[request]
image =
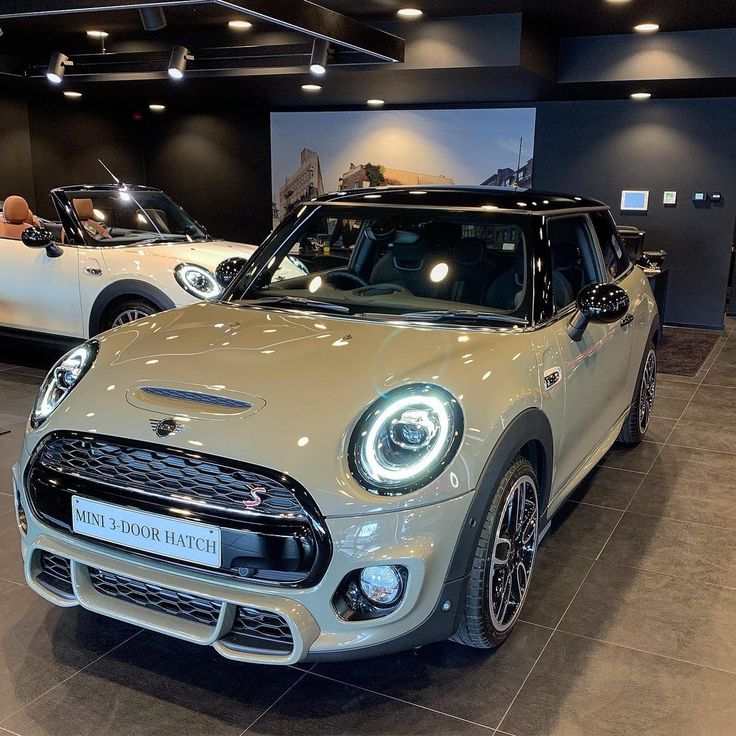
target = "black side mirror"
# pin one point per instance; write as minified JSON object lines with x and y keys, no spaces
{"x":604,"y":303}
{"x":228,"y":269}
{"x":41,"y":237}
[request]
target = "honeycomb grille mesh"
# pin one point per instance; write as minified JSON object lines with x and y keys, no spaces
{"x":156,"y":598}
{"x":257,"y":629}
{"x":55,"y":574}
{"x":170,"y":474}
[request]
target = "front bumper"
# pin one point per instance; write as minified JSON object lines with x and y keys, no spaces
{"x":422,"y":540}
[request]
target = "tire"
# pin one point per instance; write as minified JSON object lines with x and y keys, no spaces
{"x":640,"y":413}
{"x":497,"y":588}
{"x":127,"y":310}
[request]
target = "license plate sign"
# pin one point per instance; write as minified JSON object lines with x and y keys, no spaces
{"x":189,"y":541}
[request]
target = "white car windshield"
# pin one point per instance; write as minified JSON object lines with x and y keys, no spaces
{"x":120,"y":216}
{"x":418,"y":263}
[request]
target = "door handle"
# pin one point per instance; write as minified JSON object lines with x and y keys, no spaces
{"x":627,"y":320}
{"x":93,"y":271}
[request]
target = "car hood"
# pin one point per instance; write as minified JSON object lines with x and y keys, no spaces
{"x":308,"y":378}
{"x":207,"y":253}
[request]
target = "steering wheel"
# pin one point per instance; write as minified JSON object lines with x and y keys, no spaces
{"x":345,"y":279}
{"x":383,"y":290}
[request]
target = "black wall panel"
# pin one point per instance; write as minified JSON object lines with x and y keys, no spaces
{"x":16,"y":170}
{"x":600,"y":148}
{"x":218,"y":167}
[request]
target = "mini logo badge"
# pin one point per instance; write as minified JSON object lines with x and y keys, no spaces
{"x":166,"y":427}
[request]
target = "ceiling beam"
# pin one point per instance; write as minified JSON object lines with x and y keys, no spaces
{"x":297,"y":15}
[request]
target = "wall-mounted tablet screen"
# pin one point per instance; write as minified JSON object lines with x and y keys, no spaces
{"x":635,"y":200}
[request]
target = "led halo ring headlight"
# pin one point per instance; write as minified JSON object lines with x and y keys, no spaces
{"x":405,"y":439}
{"x":61,"y":379}
{"x":197,"y":280}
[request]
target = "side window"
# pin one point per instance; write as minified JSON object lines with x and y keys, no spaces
{"x":614,"y":256}
{"x":574,"y":258}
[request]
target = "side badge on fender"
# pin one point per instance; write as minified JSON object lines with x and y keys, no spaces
{"x":552,"y":377}
{"x":166,"y":427}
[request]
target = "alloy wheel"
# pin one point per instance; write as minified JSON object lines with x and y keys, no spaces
{"x":647,"y":391}
{"x":129,"y":315}
{"x":514,"y":552}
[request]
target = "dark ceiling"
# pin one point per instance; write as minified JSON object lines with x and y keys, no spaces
{"x":26,"y":45}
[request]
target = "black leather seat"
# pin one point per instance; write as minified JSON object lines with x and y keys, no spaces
{"x":567,"y":273}
{"x":471,"y":271}
{"x":507,"y":290}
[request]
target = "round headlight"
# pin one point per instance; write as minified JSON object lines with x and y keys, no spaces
{"x":61,"y":379}
{"x":197,"y":280}
{"x":406,"y":439}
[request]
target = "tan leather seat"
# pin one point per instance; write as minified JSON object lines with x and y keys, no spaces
{"x":15,"y":216}
{"x":86,"y":213}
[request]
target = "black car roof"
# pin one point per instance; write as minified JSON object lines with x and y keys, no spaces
{"x":106,"y":188}
{"x":475,"y":197}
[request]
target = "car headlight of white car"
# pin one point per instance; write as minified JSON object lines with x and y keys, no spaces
{"x":197,"y":280}
{"x":405,"y":439}
{"x":61,"y":379}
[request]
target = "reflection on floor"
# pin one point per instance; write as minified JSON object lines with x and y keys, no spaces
{"x":629,"y":628}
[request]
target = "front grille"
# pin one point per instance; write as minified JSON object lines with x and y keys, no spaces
{"x":169,"y":473}
{"x":55,"y":574}
{"x":281,"y":541}
{"x":261,"y":630}
{"x":196,"y":397}
{"x":156,"y":598}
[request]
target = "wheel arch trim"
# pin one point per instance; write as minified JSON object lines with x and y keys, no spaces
{"x":125,"y":288}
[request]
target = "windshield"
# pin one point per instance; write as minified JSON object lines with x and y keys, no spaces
{"x":419,"y":263}
{"x":131,"y":216}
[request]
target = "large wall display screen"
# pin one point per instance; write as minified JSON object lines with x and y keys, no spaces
{"x":317,"y":152}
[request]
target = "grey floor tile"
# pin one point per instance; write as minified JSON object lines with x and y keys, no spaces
{"x":320,"y":706}
{"x":156,"y":685}
{"x":42,"y":645}
{"x":704,"y":435}
{"x":555,"y":580}
{"x":657,"y":613}
{"x":660,"y":429}
{"x":670,"y":389}
{"x":11,"y":561}
{"x":638,"y":458}
{"x":668,"y":408}
{"x":687,"y":500}
{"x":449,"y":677}
{"x":608,"y":487}
{"x":582,"y":687}
{"x":684,"y":464}
{"x":691,"y":551}
{"x":579,"y":529}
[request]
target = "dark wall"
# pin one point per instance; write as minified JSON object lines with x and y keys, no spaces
{"x":218,"y":167}
{"x":67,"y":138}
{"x":16,"y":172}
{"x":600,"y":148}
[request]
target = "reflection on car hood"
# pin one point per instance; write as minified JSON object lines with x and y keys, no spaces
{"x":207,"y":253}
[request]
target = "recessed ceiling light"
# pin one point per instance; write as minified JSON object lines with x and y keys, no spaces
{"x":409,"y":13}
{"x":98,"y":34}
{"x":156,"y":107}
{"x":618,"y":2}
{"x":240,"y":25}
{"x":72,"y":95}
{"x":640,"y":95}
{"x":375,"y":102}
{"x":311,"y":87}
{"x":647,"y":28}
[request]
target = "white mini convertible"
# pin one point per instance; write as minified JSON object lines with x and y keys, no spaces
{"x":116,"y":254}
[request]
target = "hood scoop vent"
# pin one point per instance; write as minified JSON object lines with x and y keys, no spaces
{"x":178,"y":394}
{"x":192,"y":400}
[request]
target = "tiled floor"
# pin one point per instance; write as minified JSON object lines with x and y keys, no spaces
{"x":629,"y":627}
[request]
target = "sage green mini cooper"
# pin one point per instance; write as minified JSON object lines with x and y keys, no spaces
{"x":351,"y":461}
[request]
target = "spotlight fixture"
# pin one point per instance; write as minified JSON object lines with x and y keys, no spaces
{"x":409,"y":13}
{"x":376,"y":102}
{"x":153,"y":19}
{"x":57,"y":67}
{"x":72,"y":95}
{"x":318,"y":60}
{"x":311,"y":87}
{"x":98,"y":34}
{"x":178,"y":61}
{"x":647,"y":28}
{"x":240,"y":25}
{"x":155,"y":107}
{"x":640,"y":95}
{"x":1,"y":32}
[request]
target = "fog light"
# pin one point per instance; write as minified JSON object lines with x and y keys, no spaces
{"x":381,"y":584}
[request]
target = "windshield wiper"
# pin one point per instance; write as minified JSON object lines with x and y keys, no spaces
{"x":460,"y":316}
{"x":304,"y":303}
